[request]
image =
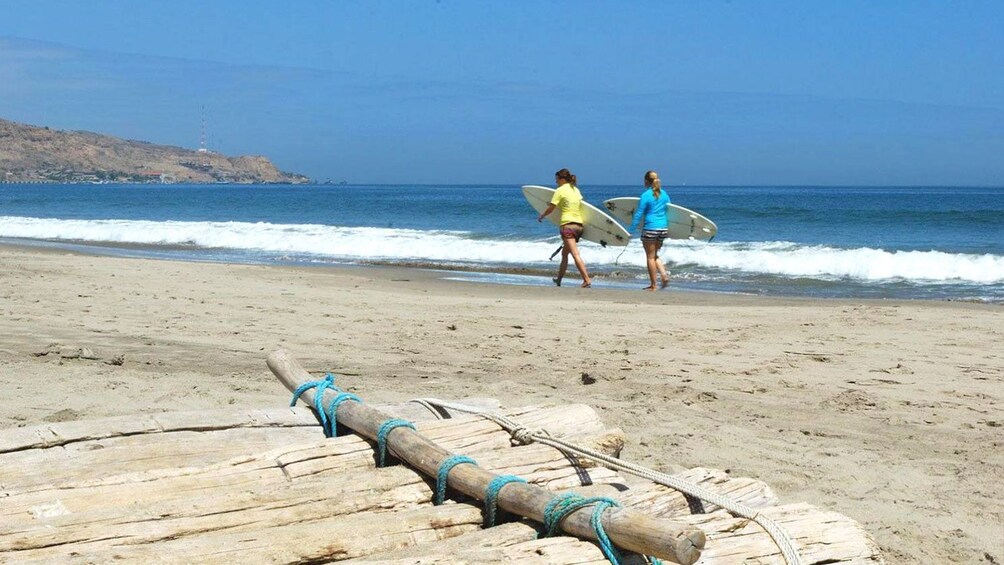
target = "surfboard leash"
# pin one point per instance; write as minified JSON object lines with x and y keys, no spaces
{"x":618,"y":259}
{"x":556,"y":251}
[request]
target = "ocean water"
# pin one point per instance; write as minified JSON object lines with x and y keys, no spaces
{"x":942,"y":243}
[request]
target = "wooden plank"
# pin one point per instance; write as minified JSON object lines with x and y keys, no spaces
{"x":65,"y":433}
{"x":96,"y":459}
{"x":72,"y":452}
{"x":362,"y":538}
{"x":322,"y":539}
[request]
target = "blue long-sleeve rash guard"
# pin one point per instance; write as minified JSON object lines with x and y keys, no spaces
{"x":653,"y":210}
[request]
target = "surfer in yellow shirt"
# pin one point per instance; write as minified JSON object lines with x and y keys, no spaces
{"x":568,"y":198}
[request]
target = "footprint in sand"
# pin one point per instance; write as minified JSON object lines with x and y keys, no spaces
{"x":851,"y":400}
{"x":64,"y":415}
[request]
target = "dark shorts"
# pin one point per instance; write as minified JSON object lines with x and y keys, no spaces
{"x":571,"y":231}
{"x":654,"y":235}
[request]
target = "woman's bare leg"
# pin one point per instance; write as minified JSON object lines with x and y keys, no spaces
{"x":651,"y":262}
{"x":564,"y":264}
{"x":661,"y":266}
{"x":573,"y":248}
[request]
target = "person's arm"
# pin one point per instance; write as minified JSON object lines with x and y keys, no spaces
{"x":547,"y":212}
{"x":638,"y":214}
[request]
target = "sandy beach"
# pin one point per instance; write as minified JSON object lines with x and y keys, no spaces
{"x":889,"y":412}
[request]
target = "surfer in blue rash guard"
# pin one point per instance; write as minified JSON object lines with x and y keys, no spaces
{"x":568,"y":198}
{"x":651,"y":214}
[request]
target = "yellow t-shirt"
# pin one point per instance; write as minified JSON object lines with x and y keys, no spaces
{"x":568,"y":199}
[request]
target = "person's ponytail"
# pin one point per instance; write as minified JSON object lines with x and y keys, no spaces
{"x":653,"y":177}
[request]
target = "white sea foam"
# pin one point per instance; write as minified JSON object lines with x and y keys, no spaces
{"x":365,"y":243}
{"x":863,"y":264}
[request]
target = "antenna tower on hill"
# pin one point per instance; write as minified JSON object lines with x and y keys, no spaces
{"x":202,"y":137}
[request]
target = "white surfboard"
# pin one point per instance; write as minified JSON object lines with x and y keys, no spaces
{"x":683,"y":223}
{"x":598,"y":226}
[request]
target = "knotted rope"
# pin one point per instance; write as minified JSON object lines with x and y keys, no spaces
{"x":564,"y":504}
{"x":321,"y":385}
{"x":329,"y":416}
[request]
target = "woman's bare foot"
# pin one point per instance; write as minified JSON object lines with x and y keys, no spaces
{"x":650,"y":288}
{"x":665,"y":283}
{"x":587,"y":284}
{"x":556,"y":281}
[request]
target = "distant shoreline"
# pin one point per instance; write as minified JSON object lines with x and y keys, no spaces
{"x":668,"y":186}
{"x":40,"y":154}
{"x":155,"y":183}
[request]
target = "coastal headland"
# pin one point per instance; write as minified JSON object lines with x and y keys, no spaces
{"x":40,"y":154}
{"x":887,"y":411}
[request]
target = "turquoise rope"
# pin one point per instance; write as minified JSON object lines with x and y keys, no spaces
{"x":596,"y":521}
{"x":492,"y":496}
{"x":444,"y":472}
{"x":559,"y":507}
{"x":332,"y":428}
{"x":321,"y":386}
{"x":385,"y":428}
{"x":328,"y":380}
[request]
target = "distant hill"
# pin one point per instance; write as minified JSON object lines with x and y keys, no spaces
{"x":39,"y":154}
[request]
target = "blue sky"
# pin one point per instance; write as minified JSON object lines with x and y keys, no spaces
{"x":739,"y":93}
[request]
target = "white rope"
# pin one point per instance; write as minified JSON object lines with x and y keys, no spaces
{"x":428,"y":406}
{"x":524,"y":435}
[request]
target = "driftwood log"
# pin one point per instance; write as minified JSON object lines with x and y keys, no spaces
{"x":628,"y":529}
